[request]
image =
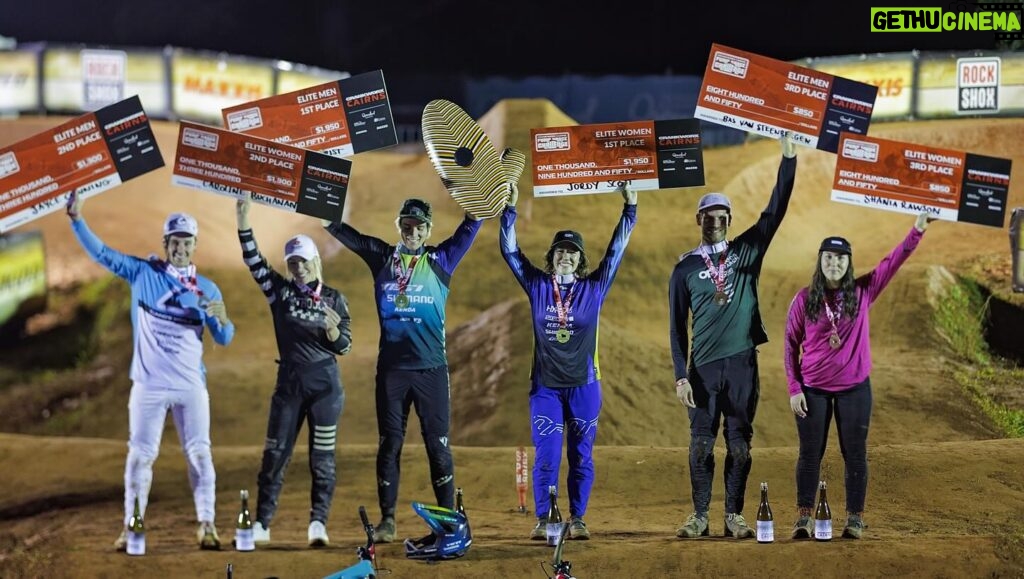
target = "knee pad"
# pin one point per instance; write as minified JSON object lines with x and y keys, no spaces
{"x":740,"y":452}
{"x":701,"y":447}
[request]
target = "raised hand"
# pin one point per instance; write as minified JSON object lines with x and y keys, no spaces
{"x":788,"y":146}
{"x":74,"y":206}
{"x":242,"y":207}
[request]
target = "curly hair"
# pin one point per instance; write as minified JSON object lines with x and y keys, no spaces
{"x":582,"y":270}
{"x":816,"y":293}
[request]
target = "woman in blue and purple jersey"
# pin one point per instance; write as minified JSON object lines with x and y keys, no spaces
{"x":828,"y":367}
{"x":565,"y":381}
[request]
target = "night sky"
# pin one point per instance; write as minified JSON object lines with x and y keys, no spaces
{"x":478,"y":38}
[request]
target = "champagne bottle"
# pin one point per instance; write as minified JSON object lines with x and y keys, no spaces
{"x":822,"y":516}
{"x":765,"y":520}
{"x":554,"y":521}
{"x":244,"y":540}
{"x":459,"y":507}
{"x":136,"y":532}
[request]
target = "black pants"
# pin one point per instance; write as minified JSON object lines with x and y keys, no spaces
{"x":428,"y":391}
{"x":852,"y":409}
{"x":313,"y":393}
{"x":726,"y":388}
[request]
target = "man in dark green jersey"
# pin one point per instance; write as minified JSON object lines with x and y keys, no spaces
{"x":716,"y":375}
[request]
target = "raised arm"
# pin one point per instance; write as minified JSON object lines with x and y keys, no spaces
{"x":880,"y":277}
{"x":371,"y":249}
{"x":261,"y":271}
{"x":119,"y":264}
{"x":521,"y":267}
{"x":451,"y":251}
{"x":771,"y":218}
{"x":612,"y":259}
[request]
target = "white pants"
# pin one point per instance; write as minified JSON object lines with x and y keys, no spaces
{"x":147,"y":412}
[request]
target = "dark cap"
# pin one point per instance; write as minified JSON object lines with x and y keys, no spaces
{"x":568,"y":236}
{"x":417,"y":209}
{"x":836,"y":245}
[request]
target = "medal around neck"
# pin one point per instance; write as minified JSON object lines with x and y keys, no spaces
{"x":475,"y":175}
{"x":402,"y":300}
{"x":721,"y":298}
{"x":834,"y":341}
{"x":562,"y":335}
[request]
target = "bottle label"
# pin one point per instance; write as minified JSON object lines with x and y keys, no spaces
{"x":554,"y":530}
{"x":823,"y":530}
{"x":765,"y":531}
{"x":244,"y":540}
{"x":136,"y":543}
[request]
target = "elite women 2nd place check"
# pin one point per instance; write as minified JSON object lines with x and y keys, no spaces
{"x":279,"y":175}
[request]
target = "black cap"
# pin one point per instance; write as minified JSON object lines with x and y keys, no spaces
{"x":568,"y":236}
{"x":836,"y":245}
{"x":417,"y":209}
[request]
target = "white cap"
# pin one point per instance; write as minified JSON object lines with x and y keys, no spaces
{"x":713,"y":200}
{"x":181,"y":223}
{"x":300,"y":246}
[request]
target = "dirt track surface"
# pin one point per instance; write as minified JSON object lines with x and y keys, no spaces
{"x":945,"y":497}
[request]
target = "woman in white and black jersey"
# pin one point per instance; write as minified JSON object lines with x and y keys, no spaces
{"x":312,"y":326}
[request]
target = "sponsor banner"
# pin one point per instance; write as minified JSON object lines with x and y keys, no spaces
{"x":949,"y":86}
{"x":22,"y":275}
{"x":757,"y":94}
{"x":88,"y":155}
{"x":338,"y":118}
{"x":276,"y":174}
{"x":301,"y":76}
{"x":203,"y":85}
{"x":19,"y":80}
{"x":81,"y":80}
{"x":911,"y":178}
{"x":598,"y":158}
{"x":893,"y":74}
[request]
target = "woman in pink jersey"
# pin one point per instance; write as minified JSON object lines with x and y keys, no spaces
{"x":828,"y":363}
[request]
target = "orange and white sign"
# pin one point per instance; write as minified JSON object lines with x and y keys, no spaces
{"x":911,"y":178}
{"x":769,"y":97}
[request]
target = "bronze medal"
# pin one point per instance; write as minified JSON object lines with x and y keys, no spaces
{"x":562,"y":335}
{"x":401,"y":300}
{"x":834,"y":341}
{"x":721,"y":298}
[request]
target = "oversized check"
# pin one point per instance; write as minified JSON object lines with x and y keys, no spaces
{"x":762,"y":95}
{"x":911,"y":178}
{"x":338,"y":118}
{"x":279,"y":175}
{"x":599,"y":158}
{"x":88,"y":154}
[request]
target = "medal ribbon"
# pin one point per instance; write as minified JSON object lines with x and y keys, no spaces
{"x":717,"y":276}
{"x":833,"y":317}
{"x":312,"y":293}
{"x":562,"y":309}
{"x":189,"y":280}
{"x":402,"y":278}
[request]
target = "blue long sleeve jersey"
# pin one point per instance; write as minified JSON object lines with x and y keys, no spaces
{"x":574,"y":363}
{"x":167,"y":318}
{"x":411,"y":337}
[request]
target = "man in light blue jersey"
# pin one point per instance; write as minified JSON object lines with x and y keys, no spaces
{"x":171,"y":304}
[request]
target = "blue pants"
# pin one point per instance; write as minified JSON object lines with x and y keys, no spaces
{"x":551,"y":409}
{"x":852,"y":409}
{"x":726,"y":388}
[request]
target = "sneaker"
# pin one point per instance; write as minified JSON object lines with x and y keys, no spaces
{"x":736,"y":526}
{"x":578,"y":529}
{"x":121,"y":544}
{"x":854,"y":526}
{"x":206,"y":534}
{"x":384,"y":532}
{"x":540,"y":532}
{"x":695,"y":526}
{"x":260,"y":534}
{"x":317,"y":534}
{"x":804,"y":527}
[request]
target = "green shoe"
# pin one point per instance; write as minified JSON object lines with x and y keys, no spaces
{"x":540,"y":532}
{"x":695,"y":526}
{"x":854,"y":526}
{"x":578,"y":529}
{"x":736,"y":526}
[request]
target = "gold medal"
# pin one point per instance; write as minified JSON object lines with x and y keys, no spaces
{"x":834,"y":341}
{"x":721,"y":299}
{"x":401,"y":300}
{"x":562,"y":335}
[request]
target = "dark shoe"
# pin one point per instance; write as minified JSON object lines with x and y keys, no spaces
{"x":854,"y":526}
{"x":384,"y":532}
{"x":578,"y":529}
{"x":804,"y":526}
{"x":207,"y":537}
{"x":540,"y":532}
{"x":736,"y":526}
{"x":695,"y":526}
